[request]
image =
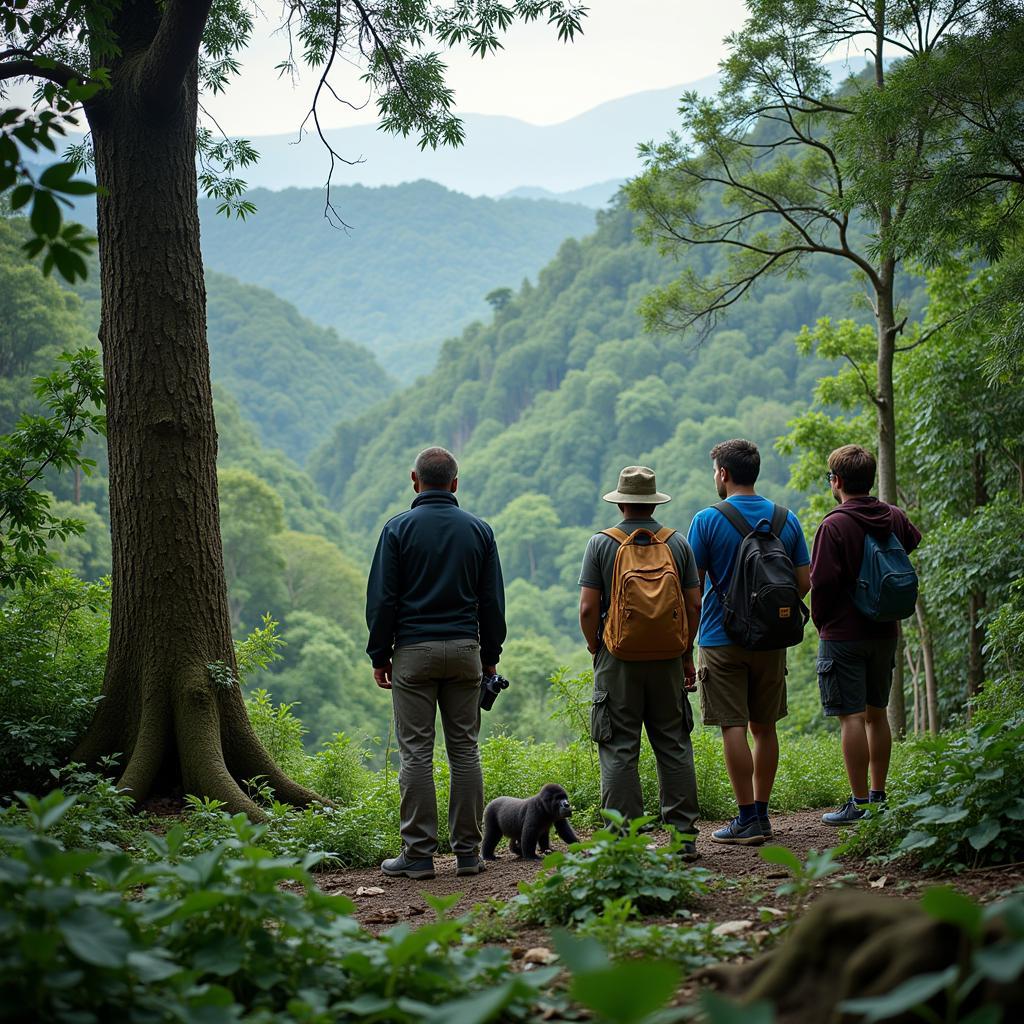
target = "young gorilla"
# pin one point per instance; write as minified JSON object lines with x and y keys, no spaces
{"x":527,"y":822}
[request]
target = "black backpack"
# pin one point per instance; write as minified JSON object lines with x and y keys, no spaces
{"x":761,"y":610}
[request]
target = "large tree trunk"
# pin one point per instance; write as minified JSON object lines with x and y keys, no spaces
{"x":163,"y":710}
{"x":886,"y":426}
{"x":931,"y":693}
{"x":976,"y":601}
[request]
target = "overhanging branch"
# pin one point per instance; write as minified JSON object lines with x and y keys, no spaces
{"x":53,"y":71}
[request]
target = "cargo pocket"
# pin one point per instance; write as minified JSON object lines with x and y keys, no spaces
{"x":687,"y":715}
{"x":600,"y":718}
{"x":828,"y":685}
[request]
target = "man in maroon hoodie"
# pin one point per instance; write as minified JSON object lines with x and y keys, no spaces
{"x":856,"y":655}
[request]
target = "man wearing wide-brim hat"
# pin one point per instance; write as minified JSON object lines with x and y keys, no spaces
{"x":639,"y":688}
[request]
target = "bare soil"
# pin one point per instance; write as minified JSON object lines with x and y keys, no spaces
{"x":747,"y":883}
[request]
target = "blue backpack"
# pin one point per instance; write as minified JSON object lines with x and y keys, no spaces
{"x":886,"y":587}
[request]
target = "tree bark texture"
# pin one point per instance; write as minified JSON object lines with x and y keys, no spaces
{"x":931,"y":693}
{"x":162,"y":710}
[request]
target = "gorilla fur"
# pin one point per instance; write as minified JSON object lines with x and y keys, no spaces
{"x":527,"y":822}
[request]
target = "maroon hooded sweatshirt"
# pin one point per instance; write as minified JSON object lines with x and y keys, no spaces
{"x":835,"y":565}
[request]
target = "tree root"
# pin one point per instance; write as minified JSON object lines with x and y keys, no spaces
{"x":852,"y":945}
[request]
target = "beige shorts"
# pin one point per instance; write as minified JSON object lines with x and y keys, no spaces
{"x":738,"y":686}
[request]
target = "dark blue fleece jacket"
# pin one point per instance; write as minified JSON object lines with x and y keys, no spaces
{"x":435,"y":576}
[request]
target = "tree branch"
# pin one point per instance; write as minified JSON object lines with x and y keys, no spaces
{"x":174,"y":48}
{"x":59,"y":73}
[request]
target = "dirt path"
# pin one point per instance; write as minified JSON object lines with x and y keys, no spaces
{"x":754,"y":879}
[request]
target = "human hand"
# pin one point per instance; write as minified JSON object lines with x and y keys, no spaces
{"x":382,"y":676}
{"x":689,"y":674}
{"x":489,"y":670}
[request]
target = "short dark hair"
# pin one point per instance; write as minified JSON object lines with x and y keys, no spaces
{"x":436,"y":467}
{"x":637,"y":511}
{"x":741,"y":458}
{"x":855,"y":466}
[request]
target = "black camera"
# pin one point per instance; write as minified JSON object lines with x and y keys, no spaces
{"x":490,"y":687}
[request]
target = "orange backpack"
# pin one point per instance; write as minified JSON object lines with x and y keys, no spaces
{"x":646,"y":618}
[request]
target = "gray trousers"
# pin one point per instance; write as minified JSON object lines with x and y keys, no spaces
{"x":628,"y":696}
{"x":426,"y":676}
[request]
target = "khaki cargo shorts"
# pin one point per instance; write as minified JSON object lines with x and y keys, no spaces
{"x":738,"y":686}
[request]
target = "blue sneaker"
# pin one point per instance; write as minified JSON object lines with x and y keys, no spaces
{"x":849,"y":814}
{"x":735,"y":834}
{"x":766,"y":827}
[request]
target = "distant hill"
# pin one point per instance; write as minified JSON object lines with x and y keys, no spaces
{"x":291,"y":378}
{"x":596,"y":196}
{"x":413,"y":269}
{"x":499,"y":154}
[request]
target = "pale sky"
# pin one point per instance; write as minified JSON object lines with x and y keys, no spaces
{"x":627,"y":46}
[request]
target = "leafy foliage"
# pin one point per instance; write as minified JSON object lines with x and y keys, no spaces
{"x":617,"y":861}
{"x":53,"y":634}
{"x":216,"y":935}
{"x":960,"y":810}
{"x":72,"y":397}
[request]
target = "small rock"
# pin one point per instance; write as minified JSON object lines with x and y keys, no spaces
{"x":416,"y":911}
{"x":384,"y":916}
{"x":369,"y":890}
{"x":731,"y":927}
{"x":879,"y":883}
{"x":540,"y":955}
{"x":772,"y":912}
{"x":777,"y":874}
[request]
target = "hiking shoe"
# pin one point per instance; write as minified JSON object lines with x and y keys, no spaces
{"x":469,"y":864}
{"x":766,"y":827}
{"x":688,"y":851}
{"x":410,"y":867}
{"x":849,"y":814}
{"x":748,"y":834}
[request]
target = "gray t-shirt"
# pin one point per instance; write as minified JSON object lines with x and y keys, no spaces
{"x":599,"y":559}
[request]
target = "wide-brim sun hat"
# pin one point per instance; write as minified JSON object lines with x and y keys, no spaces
{"x":637,"y":486}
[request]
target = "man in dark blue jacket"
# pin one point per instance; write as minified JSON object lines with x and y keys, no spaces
{"x":435,"y":608}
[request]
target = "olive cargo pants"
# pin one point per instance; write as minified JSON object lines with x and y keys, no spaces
{"x":426,"y":676}
{"x":628,"y":696}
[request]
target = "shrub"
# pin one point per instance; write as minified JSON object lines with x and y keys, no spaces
{"x":214,"y":936}
{"x":962,"y":807}
{"x":54,"y":637}
{"x":617,"y":861}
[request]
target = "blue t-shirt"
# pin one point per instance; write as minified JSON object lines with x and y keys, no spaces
{"x":715,"y":541}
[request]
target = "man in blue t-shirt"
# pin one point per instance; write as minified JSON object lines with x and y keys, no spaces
{"x":741,"y":688}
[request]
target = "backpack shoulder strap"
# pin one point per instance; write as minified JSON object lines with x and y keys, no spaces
{"x":736,"y":518}
{"x":663,"y":534}
{"x":779,"y":519}
{"x":616,"y":534}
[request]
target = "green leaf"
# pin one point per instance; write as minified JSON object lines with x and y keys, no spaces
{"x":719,"y":1010}
{"x":580,"y":955}
{"x":223,"y":956}
{"x":946,"y":904}
{"x":984,"y":833}
{"x":45,"y":218}
{"x":913,"y":992}
{"x":916,"y":840}
{"x":628,"y":991}
{"x":781,"y":856}
{"x":95,"y":937}
{"x":1002,"y":963}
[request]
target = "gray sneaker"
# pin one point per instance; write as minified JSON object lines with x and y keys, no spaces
{"x":411,"y":867}
{"x":688,"y":851}
{"x":849,"y":814}
{"x":469,"y":864}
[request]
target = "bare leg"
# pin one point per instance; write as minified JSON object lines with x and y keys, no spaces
{"x":879,"y":738}
{"x":855,"y":752}
{"x":766,"y":758}
{"x":738,"y":762}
